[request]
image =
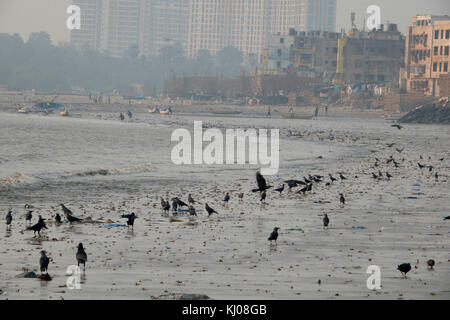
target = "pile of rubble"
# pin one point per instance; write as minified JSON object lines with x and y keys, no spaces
{"x":437,"y":112}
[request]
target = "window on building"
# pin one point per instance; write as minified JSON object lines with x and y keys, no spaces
{"x":442,"y":48}
{"x":436,"y":34}
{"x":436,"y":50}
{"x":440,"y":66}
{"x":435,"y":67}
{"x":334,"y":63}
{"x":446,"y":53}
{"x":334,"y":50}
{"x":447,"y":34}
{"x":445,"y":66}
{"x":442,"y":34}
{"x":381,"y":77}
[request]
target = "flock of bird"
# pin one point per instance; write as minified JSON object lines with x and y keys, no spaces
{"x":305,"y":185}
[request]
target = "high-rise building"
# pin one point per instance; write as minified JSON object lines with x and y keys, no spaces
{"x":427,"y":55}
{"x":167,"y":23}
{"x":91,"y":21}
{"x":317,"y":15}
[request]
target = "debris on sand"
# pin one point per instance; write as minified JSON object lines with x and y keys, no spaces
{"x":44,"y":277}
{"x":182,"y":296}
{"x":437,"y":112}
{"x":27,"y":274}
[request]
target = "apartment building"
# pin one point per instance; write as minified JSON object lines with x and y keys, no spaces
{"x":427,"y":55}
{"x":91,"y":22}
{"x":317,"y":15}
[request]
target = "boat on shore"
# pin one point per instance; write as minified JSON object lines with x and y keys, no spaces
{"x":225,"y":111}
{"x":165,"y":112}
{"x":154,"y":110}
{"x":293,"y":116}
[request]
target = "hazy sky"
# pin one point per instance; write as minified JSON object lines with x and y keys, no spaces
{"x":26,"y":16}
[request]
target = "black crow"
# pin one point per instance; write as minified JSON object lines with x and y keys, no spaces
{"x":397,"y":126}
{"x":262,"y":185}
{"x":38,"y":226}
{"x":430,"y":263}
{"x":374,"y":176}
{"x":421,"y":166}
{"x":43,"y":262}
{"x":390,"y":145}
{"x":303,"y":190}
{"x":404,"y":268}
{"x":342,"y":177}
{"x":192,"y":211}
{"x":399,"y":150}
{"x":28,"y":216}
{"x":309,"y":187}
{"x":190,"y":199}
{"x":388,"y":175}
{"x":280,"y":189}
{"x":81,"y":256}
{"x":179,"y":202}
{"x":274,"y":235}
{"x":326,"y":220}
{"x":263,"y":197}
{"x":430,"y":168}
{"x":210,"y":210}
{"x":333,"y":179}
{"x":131,"y":217}
{"x":8,"y":219}
{"x":58,"y":218}
{"x":227,"y":198}
{"x":69,"y":214}
{"x":436,"y":176}
{"x":447,"y":218}
{"x":166,"y":207}
{"x":342,"y":199}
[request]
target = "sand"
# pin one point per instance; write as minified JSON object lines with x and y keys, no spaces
{"x":225,"y":256}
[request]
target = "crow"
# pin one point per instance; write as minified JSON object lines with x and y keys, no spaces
{"x":399,"y":150}
{"x":333,"y":179}
{"x":190,"y":199}
{"x":227,"y":198}
{"x":342,"y":199}
{"x":166,"y":207}
{"x":441,"y":159}
{"x":240,"y":196}
{"x":274,"y":235}
{"x":390,"y":145}
{"x":38,"y":226}
{"x":81,"y":256}
{"x":210,"y":210}
{"x":374,"y":176}
{"x":397,"y":126}
{"x":263,"y":197}
{"x":43,"y":262}
{"x":179,"y":202}
{"x":436,"y":176}
{"x":404,"y":268}
{"x":192,"y":211}
{"x":342,"y":177}
{"x":447,"y":218}
{"x":8,"y":219}
{"x":280,"y":189}
{"x":430,"y":168}
{"x":303,"y":190}
{"x":28,"y":216}
{"x":421,"y":166}
{"x":174,"y":205}
{"x":388,"y":175}
{"x":326,"y":220}
{"x":307,"y":180}
{"x":131,"y":217}
{"x":380,"y":174}
{"x":69,"y":214}
{"x":262,"y":185}
{"x":58,"y":218}
{"x":309,"y":186}
{"x":430,"y":263}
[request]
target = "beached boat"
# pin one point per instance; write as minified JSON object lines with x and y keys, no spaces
{"x":23,"y":110}
{"x":64,"y":113}
{"x":154,"y":110}
{"x":225,"y":111}
{"x":165,"y":112}
{"x":293,"y":116}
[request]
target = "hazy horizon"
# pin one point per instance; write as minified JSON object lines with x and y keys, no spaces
{"x":25,"y":17}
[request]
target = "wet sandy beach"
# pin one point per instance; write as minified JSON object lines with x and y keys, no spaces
{"x":102,"y":168}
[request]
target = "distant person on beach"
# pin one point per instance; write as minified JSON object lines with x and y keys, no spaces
{"x":326,"y":109}
{"x":122,"y":117}
{"x":316,"y":112}
{"x":268,"y":111}
{"x":130,"y":115}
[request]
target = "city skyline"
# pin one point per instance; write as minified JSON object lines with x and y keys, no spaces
{"x":50,"y":15}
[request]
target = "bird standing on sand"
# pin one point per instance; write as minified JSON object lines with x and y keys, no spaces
{"x":192,"y":211}
{"x":131,"y":217}
{"x":28,"y":216}
{"x":274,"y":235}
{"x":8,"y":220}
{"x":342,"y":199}
{"x":326,"y":221}
{"x":333,"y":179}
{"x":58,"y":218}
{"x":262,"y":185}
{"x":210,"y":210}
{"x":240,"y":196}
{"x":38,"y":226}
{"x":397,"y":126}
{"x":430,"y":263}
{"x":190,"y":199}
{"x":280,"y":189}
{"x":69,"y":214}
{"x":227,"y":198}
{"x":404,"y":268}
{"x":342,"y":177}
{"x":179,"y":202}
{"x":122,"y":117}
{"x":81,"y":256}
{"x":174,"y":205}
{"x":43,"y":262}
